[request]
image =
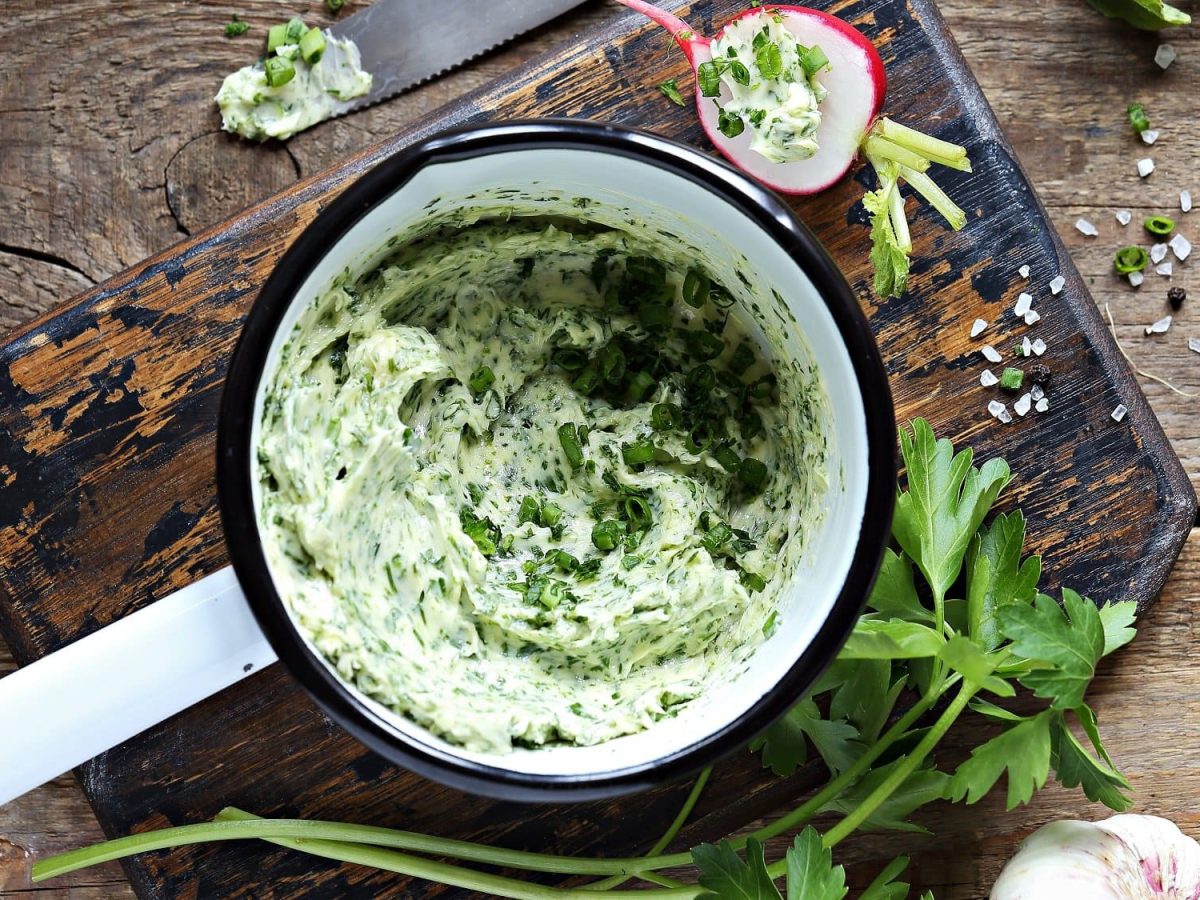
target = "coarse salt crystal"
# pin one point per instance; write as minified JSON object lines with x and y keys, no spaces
{"x":1119,"y":413}
{"x":1033,"y":317}
{"x":1056,"y":284}
{"x":1180,"y":246}
{"x":990,"y":353}
{"x":1149,"y":136}
{"x":1185,"y":201}
{"x":995,"y":407}
{"x":1164,"y":55}
{"x":1021,"y":407}
{"x":1023,"y":271}
{"x":1026,"y":347}
{"x":978,"y":327}
{"x":1194,"y":344}
{"x":1160,"y":326}
{"x":1145,"y":166}
{"x":988,"y":378}
{"x":1037,"y":393}
{"x":1023,"y":305}
{"x":1165,"y":269}
{"x":1005,"y":416}
{"x":1124,"y":216}
{"x":1136,"y":278}
{"x":1086,"y":227}
{"x":1158,"y":253}
{"x":1038,"y":347}
{"x":1042,"y":405}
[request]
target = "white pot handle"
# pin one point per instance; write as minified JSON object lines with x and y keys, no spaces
{"x":103,"y":689}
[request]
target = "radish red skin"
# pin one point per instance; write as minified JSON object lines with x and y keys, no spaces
{"x":775,"y":175}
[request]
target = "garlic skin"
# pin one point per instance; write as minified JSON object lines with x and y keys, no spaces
{"x":1126,"y":857}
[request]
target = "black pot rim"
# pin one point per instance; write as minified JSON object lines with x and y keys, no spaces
{"x":250,"y":357}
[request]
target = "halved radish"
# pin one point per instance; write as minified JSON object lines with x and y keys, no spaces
{"x":855,"y":81}
{"x":854,"y":85}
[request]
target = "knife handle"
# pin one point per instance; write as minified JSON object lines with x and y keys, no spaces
{"x":91,"y":695}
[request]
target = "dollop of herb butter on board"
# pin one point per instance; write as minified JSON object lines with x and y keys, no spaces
{"x":532,"y":480}
{"x":307,"y":77}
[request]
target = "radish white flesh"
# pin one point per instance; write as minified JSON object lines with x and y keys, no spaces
{"x":855,"y":81}
{"x":1126,"y":857}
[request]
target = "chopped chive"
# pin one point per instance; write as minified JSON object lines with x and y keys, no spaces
{"x":1159,"y":226}
{"x":716,"y":537}
{"x":741,"y":359}
{"x":705,"y":345}
{"x":551,"y":514}
{"x":701,"y":380}
{"x":1137,"y":117}
{"x":727,"y":457}
{"x":588,"y":569}
{"x":769,"y":59}
{"x":665,"y":416}
{"x":482,"y":531}
{"x":236,"y":27}
{"x":335,"y":6}
{"x":1130,"y":259}
{"x":751,"y":425}
{"x":721,"y":298}
{"x":279,"y":71}
{"x":569,"y":359}
{"x":813,"y":60}
{"x":654,"y":316}
{"x":481,"y":379}
{"x":739,"y":72}
{"x":670,"y":90}
{"x":637,"y":453}
{"x":587,"y":381}
{"x":752,"y":582}
{"x":633,"y":539}
{"x":529,"y":511}
{"x":1011,"y":379}
{"x":568,"y":436}
{"x":612,"y":364}
{"x":630,"y":560}
{"x":708,"y":76}
{"x":729,"y":124}
{"x":276,"y":37}
{"x":312,"y":46}
{"x":638,"y":513}
{"x":563,"y":560}
{"x":701,"y":436}
{"x":696,"y":288}
{"x":295,"y":30}
{"x":763,"y":388}
{"x":752,"y":473}
{"x":639,"y":386}
{"x":607,"y":534}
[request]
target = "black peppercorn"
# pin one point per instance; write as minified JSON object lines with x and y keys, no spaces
{"x":1039,"y":375}
{"x":1176,"y":296}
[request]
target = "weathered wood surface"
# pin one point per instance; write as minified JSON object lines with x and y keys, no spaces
{"x":88,"y":187}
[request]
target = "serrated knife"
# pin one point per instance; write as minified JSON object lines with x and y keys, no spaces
{"x":406,"y":42}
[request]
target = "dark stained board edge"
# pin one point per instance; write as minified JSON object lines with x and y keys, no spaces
{"x":734,"y":798}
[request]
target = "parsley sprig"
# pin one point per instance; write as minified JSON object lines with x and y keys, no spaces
{"x":955,"y":617}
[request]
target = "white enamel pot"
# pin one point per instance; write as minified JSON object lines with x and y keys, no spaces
{"x":230,"y":625}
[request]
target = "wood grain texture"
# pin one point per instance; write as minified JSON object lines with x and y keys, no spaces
{"x":1052,"y":139}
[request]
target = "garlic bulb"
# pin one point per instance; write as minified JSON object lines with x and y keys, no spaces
{"x":1125,"y":857}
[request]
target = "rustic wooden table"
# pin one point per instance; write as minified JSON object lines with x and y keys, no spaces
{"x":110,"y":152}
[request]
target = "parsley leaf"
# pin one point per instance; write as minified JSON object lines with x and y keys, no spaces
{"x":863,"y":693}
{"x":891,"y":639}
{"x":894,"y":593}
{"x":1149,"y":15}
{"x":811,"y":874}
{"x":996,"y":576}
{"x":945,"y":503}
{"x":1063,"y":643}
{"x":885,"y":886}
{"x":670,"y":90}
{"x":784,"y":744}
{"x":1117,"y":619}
{"x":966,"y":657}
{"x":1075,"y":766}
{"x":727,"y":877}
{"x":1023,"y":751}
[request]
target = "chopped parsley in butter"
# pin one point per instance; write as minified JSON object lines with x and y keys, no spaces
{"x":255,"y":110}
{"x":533,"y":481}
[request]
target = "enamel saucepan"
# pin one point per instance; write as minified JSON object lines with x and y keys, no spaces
{"x":226,"y":627}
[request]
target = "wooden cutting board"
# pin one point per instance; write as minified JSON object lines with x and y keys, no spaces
{"x":107,"y":499}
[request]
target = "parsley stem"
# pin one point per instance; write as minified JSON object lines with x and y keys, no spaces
{"x":938,"y":199}
{"x":901,"y":773}
{"x":663,"y":842}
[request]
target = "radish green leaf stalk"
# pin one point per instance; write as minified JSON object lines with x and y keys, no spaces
{"x":792,"y":96}
{"x":922,"y":657}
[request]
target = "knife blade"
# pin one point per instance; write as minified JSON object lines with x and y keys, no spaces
{"x":406,"y":42}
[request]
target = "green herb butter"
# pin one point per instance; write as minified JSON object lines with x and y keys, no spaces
{"x":514,"y":487}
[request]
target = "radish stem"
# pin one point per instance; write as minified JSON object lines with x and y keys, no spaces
{"x":925,"y":186}
{"x":899,"y":222}
{"x":880,"y":148}
{"x":934,"y":149}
